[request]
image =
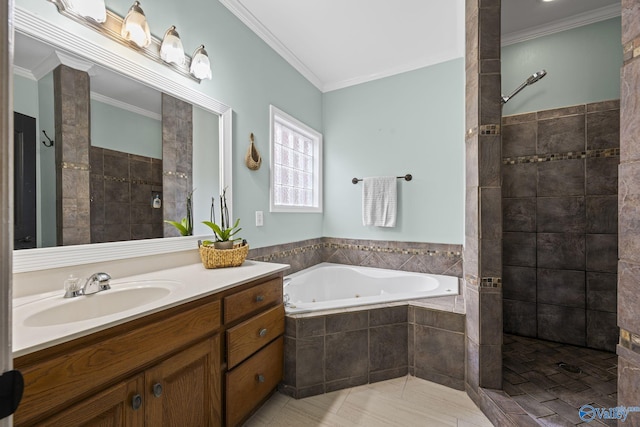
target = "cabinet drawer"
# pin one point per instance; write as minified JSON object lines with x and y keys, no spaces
{"x":251,"y":300}
{"x":252,"y":381}
{"x":249,"y":336}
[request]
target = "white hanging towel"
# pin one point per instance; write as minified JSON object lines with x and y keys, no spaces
{"x":379,"y":201}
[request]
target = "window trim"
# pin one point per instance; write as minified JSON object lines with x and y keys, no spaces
{"x":275,"y":115}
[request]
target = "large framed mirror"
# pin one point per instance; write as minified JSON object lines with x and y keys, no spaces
{"x":130,"y":100}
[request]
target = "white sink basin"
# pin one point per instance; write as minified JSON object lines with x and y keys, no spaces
{"x":120,"y":298}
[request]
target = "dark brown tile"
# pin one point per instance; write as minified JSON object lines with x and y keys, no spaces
{"x":602,"y":176}
{"x":310,"y":361}
{"x":561,"y":135}
{"x":491,"y":366}
{"x":561,"y":287}
{"x":519,"y":249}
{"x":346,"y":383}
{"x":562,"y":251}
{"x":602,"y":214}
{"x":347,"y":321}
{"x":555,"y":113}
{"x":490,"y":317}
{"x":561,"y":215}
{"x":388,"y":347}
{"x":561,"y":178}
{"x":519,"y":180}
{"x":562,"y":324}
{"x":439,"y":319}
{"x":347,"y":355}
{"x":388,"y":316}
{"x":602,"y":291}
{"x":439,"y":351}
{"x":602,"y":331}
{"x":116,"y":164}
{"x":519,"y":139}
{"x":519,"y":214}
{"x":310,"y":326}
{"x":602,"y":252}
{"x":519,"y":283}
{"x":603,"y":129}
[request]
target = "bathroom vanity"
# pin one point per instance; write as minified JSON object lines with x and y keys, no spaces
{"x":208,"y":357}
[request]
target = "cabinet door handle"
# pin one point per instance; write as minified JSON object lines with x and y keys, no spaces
{"x":263,"y":332}
{"x":260,"y":378}
{"x":136,"y":402}
{"x":157,"y":389}
{"x":259,"y":298}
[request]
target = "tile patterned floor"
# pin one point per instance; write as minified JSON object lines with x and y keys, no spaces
{"x":550,"y":381}
{"x":405,"y":401}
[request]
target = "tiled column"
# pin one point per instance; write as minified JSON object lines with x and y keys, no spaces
{"x":483,"y":224}
{"x":177,"y":160}
{"x":629,"y":214}
{"x":73,"y":138}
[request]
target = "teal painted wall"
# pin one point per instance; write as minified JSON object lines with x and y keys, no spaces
{"x":583,"y":65}
{"x":125,"y":131}
{"x":25,"y":96}
{"x":206,"y":179}
{"x":408,"y":123}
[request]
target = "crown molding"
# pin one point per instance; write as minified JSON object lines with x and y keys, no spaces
{"x":553,"y":27}
{"x":124,"y":106}
{"x":23,"y":72}
{"x":254,"y":24}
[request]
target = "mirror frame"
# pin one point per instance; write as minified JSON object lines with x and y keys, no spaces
{"x":107,"y":53}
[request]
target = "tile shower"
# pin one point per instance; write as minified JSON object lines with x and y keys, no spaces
{"x":560,"y":173}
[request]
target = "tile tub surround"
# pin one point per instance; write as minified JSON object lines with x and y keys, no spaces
{"x":328,"y":352}
{"x":122,"y":188}
{"x":405,"y":256}
{"x":559,"y":198}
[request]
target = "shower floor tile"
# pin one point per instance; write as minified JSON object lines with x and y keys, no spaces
{"x":551,"y":381}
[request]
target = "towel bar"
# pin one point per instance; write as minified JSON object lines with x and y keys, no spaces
{"x":406,"y":177}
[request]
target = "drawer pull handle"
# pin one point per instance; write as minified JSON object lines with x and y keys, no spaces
{"x":136,"y":402}
{"x":260,"y":378}
{"x":157,"y":390}
{"x":263,"y":332}
{"x":259,"y":298}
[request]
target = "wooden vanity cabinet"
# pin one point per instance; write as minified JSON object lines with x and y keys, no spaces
{"x":165,"y":369}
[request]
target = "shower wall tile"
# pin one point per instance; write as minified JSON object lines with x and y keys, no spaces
{"x":388,"y":316}
{"x":630,"y":24}
{"x":519,"y":283}
{"x":628,"y":211}
{"x":561,"y":178}
{"x":439,"y":353}
{"x":602,"y":214}
{"x":602,"y":291}
{"x":388,"y":347}
{"x":562,"y":324}
{"x":519,"y":180}
{"x":561,"y":251}
{"x":561,"y":214}
{"x":561,"y":135}
{"x":612,"y":104}
{"x":519,"y":214}
{"x":520,"y":318}
{"x":602,"y":252}
{"x":603,"y":129}
{"x":519,"y":249}
{"x":347,"y":322}
{"x":555,"y":113}
{"x":561,"y":287}
{"x":519,"y":139}
{"x":602,"y":331}
{"x":602,"y":176}
{"x":490,"y":159}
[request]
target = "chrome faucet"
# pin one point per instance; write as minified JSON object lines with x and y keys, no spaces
{"x":95,"y":283}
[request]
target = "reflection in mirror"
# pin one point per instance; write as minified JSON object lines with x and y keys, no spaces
{"x":124,"y":197}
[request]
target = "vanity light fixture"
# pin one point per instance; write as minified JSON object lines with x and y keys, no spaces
{"x":135,"y":27}
{"x":92,"y":9}
{"x":171,"y":49}
{"x":200,"y":65}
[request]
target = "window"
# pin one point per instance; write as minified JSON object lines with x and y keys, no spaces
{"x":296,"y":165}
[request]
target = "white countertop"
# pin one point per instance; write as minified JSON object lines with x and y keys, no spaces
{"x":194,"y":282}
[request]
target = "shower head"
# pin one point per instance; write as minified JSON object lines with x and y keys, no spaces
{"x":530,"y":80}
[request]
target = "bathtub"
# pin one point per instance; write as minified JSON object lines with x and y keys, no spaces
{"x":328,"y":286}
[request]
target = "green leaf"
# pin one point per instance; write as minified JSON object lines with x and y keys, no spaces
{"x":180,"y":226}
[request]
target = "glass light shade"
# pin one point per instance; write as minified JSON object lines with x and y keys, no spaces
{"x":200,"y":65}
{"x":171,"y":49}
{"x":135,"y":27}
{"x":94,"y":9}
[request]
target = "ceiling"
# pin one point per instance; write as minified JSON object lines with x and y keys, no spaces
{"x":337,"y":43}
